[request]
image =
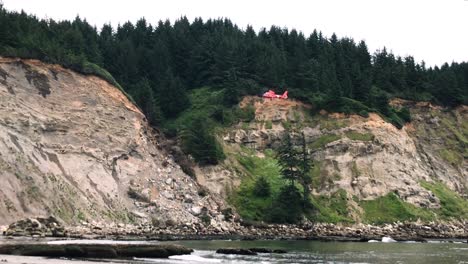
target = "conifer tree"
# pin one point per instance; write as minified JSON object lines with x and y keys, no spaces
{"x":289,"y":160}
{"x":199,"y":141}
{"x":172,"y":95}
{"x":305,"y":178}
{"x":231,"y":93}
{"x":143,"y":94}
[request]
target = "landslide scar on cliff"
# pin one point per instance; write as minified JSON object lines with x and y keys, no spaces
{"x":39,"y":80}
{"x":3,"y":76}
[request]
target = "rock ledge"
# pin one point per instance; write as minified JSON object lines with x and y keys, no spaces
{"x":98,"y":250}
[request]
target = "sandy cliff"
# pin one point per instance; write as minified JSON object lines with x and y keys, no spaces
{"x":75,"y":147}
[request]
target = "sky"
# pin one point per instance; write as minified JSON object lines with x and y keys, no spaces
{"x":435,"y":31}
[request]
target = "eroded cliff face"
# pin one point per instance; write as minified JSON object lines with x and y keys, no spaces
{"x":366,"y":157}
{"x":75,"y":147}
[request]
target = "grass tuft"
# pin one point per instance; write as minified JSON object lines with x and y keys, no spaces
{"x":360,"y":136}
{"x":324,"y":140}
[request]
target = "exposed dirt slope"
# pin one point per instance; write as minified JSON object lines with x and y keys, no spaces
{"x":75,"y":147}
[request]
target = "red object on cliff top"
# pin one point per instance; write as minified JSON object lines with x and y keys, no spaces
{"x":271,"y":94}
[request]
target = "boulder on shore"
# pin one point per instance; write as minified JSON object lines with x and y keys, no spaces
{"x":42,"y":227}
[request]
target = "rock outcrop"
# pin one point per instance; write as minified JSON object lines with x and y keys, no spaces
{"x":37,"y":227}
{"x":71,"y":249}
{"x":76,"y":147}
{"x":366,"y":157}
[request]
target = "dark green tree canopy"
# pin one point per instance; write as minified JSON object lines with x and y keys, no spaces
{"x":200,"y":142}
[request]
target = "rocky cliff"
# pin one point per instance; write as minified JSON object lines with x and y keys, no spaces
{"x":365,"y":156}
{"x":75,"y":147}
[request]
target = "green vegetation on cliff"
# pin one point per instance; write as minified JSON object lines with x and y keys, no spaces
{"x":359,"y":136}
{"x":251,"y":204}
{"x":256,"y":205}
{"x":448,"y":131}
{"x":331,"y":209}
{"x":390,"y":208}
{"x":451,"y":204}
{"x":284,"y":202}
{"x":324,"y":140}
{"x":197,"y":125}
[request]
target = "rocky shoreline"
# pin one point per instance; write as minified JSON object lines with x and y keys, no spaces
{"x":400,"y":231}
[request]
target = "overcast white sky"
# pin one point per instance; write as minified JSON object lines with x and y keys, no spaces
{"x":435,"y":31}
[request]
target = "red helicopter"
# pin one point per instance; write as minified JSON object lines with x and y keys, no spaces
{"x":271,"y":94}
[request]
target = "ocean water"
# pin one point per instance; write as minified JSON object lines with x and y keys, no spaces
{"x":298,"y":252}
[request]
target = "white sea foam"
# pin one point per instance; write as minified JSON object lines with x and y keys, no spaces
{"x":388,"y":240}
{"x":195,"y":258}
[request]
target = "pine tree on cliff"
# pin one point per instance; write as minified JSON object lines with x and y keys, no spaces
{"x":305,"y":178}
{"x":296,"y":165}
{"x":173,"y":95}
{"x":288,"y":206}
{"x":289,"y":160}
